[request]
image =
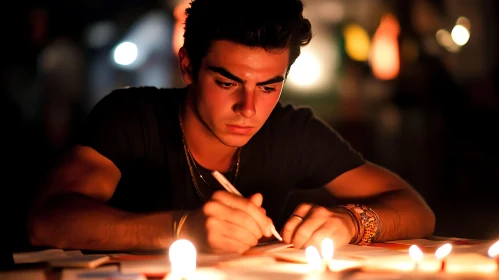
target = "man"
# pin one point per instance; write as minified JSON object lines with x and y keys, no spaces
{"x":140,"y":176}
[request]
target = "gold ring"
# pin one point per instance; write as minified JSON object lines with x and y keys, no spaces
{"x":299,"y":217}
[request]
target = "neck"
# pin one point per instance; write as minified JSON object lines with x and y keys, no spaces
{"x":205,"y":147}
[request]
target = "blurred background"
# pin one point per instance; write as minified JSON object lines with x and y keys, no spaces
{"x":411,"y":84}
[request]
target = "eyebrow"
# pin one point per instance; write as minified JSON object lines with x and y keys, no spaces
{"x":224,"y":72}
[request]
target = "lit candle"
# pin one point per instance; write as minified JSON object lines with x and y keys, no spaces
{"x":441,"y":253}
{"x":494,"y":252}
{"x":314,"y":259}
{"x":182,"y":255}
{"x":470,"y":263}
{"x":315,"y":263}
{"x":327,"y":251}
{"x":416,"y":255}
{"x":334,"y":265}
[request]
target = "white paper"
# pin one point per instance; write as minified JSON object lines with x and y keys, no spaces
{"x":43,"y":256}
{"x":87,"y":261}
{"x":471,"y":263}
{"x":356,"y":251}
{"x":162,"y":265}
{"x":347,"y":252}
{"x":479,"y":247}
{"x":402,"y":263}
{"x":377,"y":276}
{"x":420,"y":242}
{"x":73,"y":273}
{"x":157,"y":266}
{"x":276,"y":271}
{"x":25,"y":274}
{"x":267,"y":248}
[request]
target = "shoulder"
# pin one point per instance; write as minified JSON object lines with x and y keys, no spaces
{"x":298,"y":122}
{"x":290,"y":115}
{"x":137,"y":95}
{"x":130,"y":120}
{"x":284,"y":123}
{"x":137,"y":99}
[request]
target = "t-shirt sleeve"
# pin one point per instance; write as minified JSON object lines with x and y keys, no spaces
{"x":320,"y":153}
{"x":112,"y":126}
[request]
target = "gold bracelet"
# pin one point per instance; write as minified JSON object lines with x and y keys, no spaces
{"x":369,"y":221}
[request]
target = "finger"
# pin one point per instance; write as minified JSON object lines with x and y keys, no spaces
{"x":290,"y":227}
{"x":228,"y":246}
{"x":218,"y":243}
{"x":332,"y":229}
{"x":315,"y":218}
{"x":324,"y":231}
{"x":294,"y":221}
{"x":257,"y":199}
{"x":303,"y":209}
{"x":235,"y":216}
{"x":240,"y":236}
{"x":304,"y":231}
{"x":246,"y":206}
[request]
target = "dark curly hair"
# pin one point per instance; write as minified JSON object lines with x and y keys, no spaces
{"x":268,"y":24}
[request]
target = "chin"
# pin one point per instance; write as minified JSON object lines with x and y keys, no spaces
{"x":235,"y":140}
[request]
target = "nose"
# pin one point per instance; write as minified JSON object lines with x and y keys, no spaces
{"x":246,"y":104}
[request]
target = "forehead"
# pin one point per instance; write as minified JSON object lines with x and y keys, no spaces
{"x":243,"y":60}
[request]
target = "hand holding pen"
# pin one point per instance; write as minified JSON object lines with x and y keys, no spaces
{"x":230,"y":188}
{"x":227,"y":223}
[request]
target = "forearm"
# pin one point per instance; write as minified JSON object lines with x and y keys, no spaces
{"x":403,"y":215}
{"x":80,"y":222}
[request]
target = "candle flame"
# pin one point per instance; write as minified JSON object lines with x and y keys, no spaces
{"x":494,"y":250}
{"x":415,"y":253}
{"x":313,"y":257}
{"x":443,"y":251}
{"x":327,"y":249}
{"x":182,"y":255}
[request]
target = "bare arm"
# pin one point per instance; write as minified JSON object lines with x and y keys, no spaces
{"x":402,"y":211}
{"x":71,"y":210}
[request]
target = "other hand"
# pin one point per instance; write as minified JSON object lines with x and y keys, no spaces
{"x":310,"y":224}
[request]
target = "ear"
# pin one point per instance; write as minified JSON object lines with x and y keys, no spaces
{"x":185,"y":66}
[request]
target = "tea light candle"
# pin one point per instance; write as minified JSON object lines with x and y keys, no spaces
{"x":441,"y":253}
{"x":183,"y":260}
{"x":314,"y":259}
{"x":416,"y":255}
{"x":315,"y":263}
{"x":327,"y":251}
{"x":326,"y":264}
{"x":474,"y":263}
{"x":494,"y":252}
{"x":182,"y":254}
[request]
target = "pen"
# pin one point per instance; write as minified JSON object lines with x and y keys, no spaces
{"x":230,"y":188}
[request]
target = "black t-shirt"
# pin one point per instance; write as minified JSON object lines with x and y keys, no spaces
{"x":138,"y":130}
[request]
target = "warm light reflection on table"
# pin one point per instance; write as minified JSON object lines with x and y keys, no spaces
{"x":323,"y":265}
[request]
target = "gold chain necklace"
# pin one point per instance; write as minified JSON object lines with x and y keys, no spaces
{"x":192,"y":162}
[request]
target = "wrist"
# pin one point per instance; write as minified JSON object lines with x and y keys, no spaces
{"x":159,"y":228}
{"x":178,"y":225}
{"x":369,"y":223}
{"x":352,"y":221}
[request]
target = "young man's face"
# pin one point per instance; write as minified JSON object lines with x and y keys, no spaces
{"x":237,"y":88}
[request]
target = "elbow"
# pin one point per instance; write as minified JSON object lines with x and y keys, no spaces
{"x":42,"y":233}
{"x":36,"y":228}
{"x":428,"y":222}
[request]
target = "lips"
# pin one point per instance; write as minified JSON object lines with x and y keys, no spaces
{"x":239,"y":129}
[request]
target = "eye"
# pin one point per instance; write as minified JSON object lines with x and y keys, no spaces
{"x":267,"y":89}
{"x":224,"y":85}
